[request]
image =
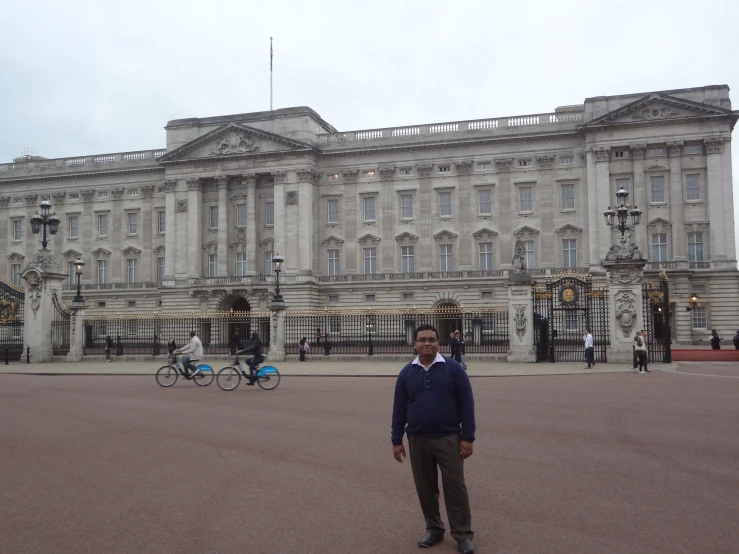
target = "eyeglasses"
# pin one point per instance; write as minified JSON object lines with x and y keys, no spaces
{"x":430,"y":340}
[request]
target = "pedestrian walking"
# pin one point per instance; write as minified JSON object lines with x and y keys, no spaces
{"x":303,"y":347}
{"x":640,"y":345}
{"x":589,"y":349}
{"x":715,"y":340}
{"x":108,"y":348}
{"x":435,"y":407}
{"x":457,"y":349}
{"x":736,"y":340}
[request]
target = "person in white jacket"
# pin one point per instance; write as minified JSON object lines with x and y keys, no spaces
{"x":195,"y":351}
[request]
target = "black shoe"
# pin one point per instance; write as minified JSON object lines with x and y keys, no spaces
{"x":466,"y":546}
{"x":429,"y":540}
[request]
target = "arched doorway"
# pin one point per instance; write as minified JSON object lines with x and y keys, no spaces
{"x":448,"y":319}
{"x":239,"y":325}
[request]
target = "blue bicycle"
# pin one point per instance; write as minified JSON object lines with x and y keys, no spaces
{"x":167,"y":375}
{"x":266,"y":377}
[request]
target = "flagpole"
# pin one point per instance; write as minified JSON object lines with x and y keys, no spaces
{"x":270,"y":74}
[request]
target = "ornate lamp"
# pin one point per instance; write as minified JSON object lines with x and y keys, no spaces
{"x":693,"y":302}
{"x":78,"y":266}
{"x":277,"y":260}
{"x":43,"y":221}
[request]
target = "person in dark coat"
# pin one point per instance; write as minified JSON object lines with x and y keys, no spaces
{"x":736,"y":340}
{"x":171,"y":345}
{"x":255,"y":348}
{"x":108,"y":348}
{"x":715,"y":340}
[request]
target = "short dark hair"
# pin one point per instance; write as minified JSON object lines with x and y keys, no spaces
{"x":425,"y":327}
{"x":192,"y":333}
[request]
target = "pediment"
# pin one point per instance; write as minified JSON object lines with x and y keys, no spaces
{"x":157,"y":249}
{"x":100,"y":252}
{"x":658,"y":221}
{"x":211,"y":244}
{"x":657,"y":167}
{"x":657,"y":107}
{"x":130,"y":251}
{"x":332,"y":240}
{"x":239,"y":243}
{"x":266,"y":243}
{"x":72,"y":254}
{"x":484,"y":233}
{"x":15,"y":256}
{"x":525,"y":230}
{"x":445,"y":235}
{"x":568,"y":229}
{"x":368,"y":239}
{"x":406,"y":237}
{"x":233,"y":140}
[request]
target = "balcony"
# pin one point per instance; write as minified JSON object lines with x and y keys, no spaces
{"x":140,"y":160}
{"x":114,"y":286}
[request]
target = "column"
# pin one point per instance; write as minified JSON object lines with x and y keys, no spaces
{"x":715,"y":188}
{"x":169,"y":189}
{"x":520,"y":321}
{"x":251,"y":224}
{"x":625,"y":307}
{"x":117,"y":230}
{"x":42,"y":280}
{"x":594,"y":217}
{"x":148,"y":272}
{"x":639,"y":192}
{"x":76,"y":332}
{"x":4,"y":230}
{"x":277,"y":332}
{"x":222,"y":183}
{"x":677,"y":206}
{"x":193,"y":217}
{"x":603,"y":200}
{"x":306,"y":244}
{"x":728,"y":204}
{"x":279,"y":246}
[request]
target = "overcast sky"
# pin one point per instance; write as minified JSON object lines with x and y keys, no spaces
{"x":96,"y":77}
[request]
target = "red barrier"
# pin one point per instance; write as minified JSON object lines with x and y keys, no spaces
{"x":704,"y":355}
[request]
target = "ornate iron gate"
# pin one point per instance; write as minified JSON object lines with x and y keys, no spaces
{"x":564,"y":307}
{"x":60,"y":329}
{"x":656,"y":313}
{"x":12,"y":301}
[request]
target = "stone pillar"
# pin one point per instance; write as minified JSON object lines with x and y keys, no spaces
{"x":520,"y":318}
{"x":729,"y":237}
{"x":679,"y":239}
{"x":76,"y":332}
{"x":625,"y":306}
{"x":193,"y":215}
{"x":170,"y":205}
{"x":222,"y":183}
{"x":43,"y":278}
{"x":304,"y":197}
{"x":277,"y":331}
{"x":639,"y":195}
{"x":251,"y":223}
{"x":716,"y":201}
{"x":593,"y":214}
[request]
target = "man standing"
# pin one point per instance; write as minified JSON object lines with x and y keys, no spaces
{"x":435,"y":407}
{"x":589,"y":350}
{"x":640,"y":346}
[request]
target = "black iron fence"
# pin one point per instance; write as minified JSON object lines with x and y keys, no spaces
{"x":60,"y":328}
{"x":377,"y":332}
{"x":12,"y":302}
{"x":151,"y":333}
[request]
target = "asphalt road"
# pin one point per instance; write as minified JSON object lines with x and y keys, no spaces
{"x":611,"y":463}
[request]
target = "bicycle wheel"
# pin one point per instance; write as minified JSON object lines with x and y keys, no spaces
{"x":228,"y":378}
{"x":268,"y":377}
{"x":167,"y":376}
{"x":204,"y":378}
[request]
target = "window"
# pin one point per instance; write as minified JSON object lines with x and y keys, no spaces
{"x":101,"y":304}
{"x":659,"y":247}
{"x":483,"y":165}
{"x":102,"y":194}
{"x":569,"y":252}
{"x":269,"y":213}
{"x":370,"y":260}
{"x":568,"y":196}
{"x":333,"y":262}
{"x":484,"y":201}
{"x":692,"y":149}
{"x":445,"y":168}
{"x":621,"y":154}
{"x":657,"y":186}
{"x":240,"y":264}
{"x":693,"y":186}
{"x":133,"y":223}
{"x":369,"y":208}
{"x":526,"y":199}
{"x":369,"y":297}
{"x":445,"y":257}
{"x":698,"y":288}
{"x":698,"y":318}
{"x":333,"y":210}
{"x":269,"y":268}
{"x":15,"y":274}
{"x":333,"y":177}
{"x":571,"y":323}
{"x":333,"y":299}
{"x":406,"y":259}
{"x":487,"y":295}
{"x":407,"y":296}
{"x":161,"y":221}
{"x":133,"y":328}
{"x":160,"y":268}
{"x":530,"y":257}
{"x":74,"y":227}
{"x":369,"y":174}
{"x":445,"y":204}
{"x":240,"y":215}
{"x":132,"y":271}
{"x":213,"y":217}
{"x":102,"y":329}
{"x":695,"y":247}
{"x":486,"y":256}
{"x":525,"y":163}
{"x":406,"y":206}
{"x":334,"y":325}
{"x":406,"y":171}
{"x":212,"y":265}
{"x":623,"y":184}
{"x":103,"y":225}
{"x":566,"y":160}
{"x":102,"y":271}
{"x":656,"y":152}
{"x":131,"y":303}
{"x":133,"y":192}
{"x":72,"y":273}
{"x":17,"y":229}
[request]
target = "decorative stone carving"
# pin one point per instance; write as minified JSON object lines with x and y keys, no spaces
{"x":519,"y":292}
{"x":291,"y":197}
{"x":46,"y":261}
{"x":182,"y":206}
{"x":194,"y":184}
{"x":4,"y":201}
{"x":59,"y":197}
{"x":236,"y":142}
{"x":638,"y":151}
{"x":147,"y":191}
{"x":88,"y":195}
{"x":674,"y":149}
{"x":351,"y":175}
{"x":279,"y":177}
{"x":624,"y":276}
{"x":520,"y":321}
{"x":117,"y":192}
{"x":308,"y":176}
{"x":519,"y":257}
{"x":250,"y":178}
{"x":424,"y":170}
{"x":655,"y":112}
{"x":273,"y":334}
{"x":463,"y":167}
{"x":31,"y":199}
{"x":713,"y":146}
{"x":504,"y":163}
{"x":545,"y":161}
{"x":34,"y":291}
{"x":221,"y":181}
{"x":626,"y":251}
{"x":387,"y":172}
{"x":625,"y":313}
{"x":602,"y":154}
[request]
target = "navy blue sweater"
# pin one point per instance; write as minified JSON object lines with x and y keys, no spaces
{"x":433,"y":404}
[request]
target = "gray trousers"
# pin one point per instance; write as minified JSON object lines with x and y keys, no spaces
{"x":428,"y":455}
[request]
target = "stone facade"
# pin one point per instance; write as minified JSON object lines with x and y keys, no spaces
{"x":419,"y":215}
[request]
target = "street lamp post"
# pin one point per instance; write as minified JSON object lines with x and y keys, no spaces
{"x":371,"y":351}
{"x":277,"y":260}
{"x":623,"y":212}
{"x":45,"y":220}
{"x":78,"y":266}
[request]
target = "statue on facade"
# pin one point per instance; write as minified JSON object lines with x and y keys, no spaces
{"x":519,"y":257}
{"x":627,"y":251}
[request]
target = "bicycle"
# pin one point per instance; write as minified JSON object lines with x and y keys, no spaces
{"x":230,"y":376}
{"x":167,"y":375}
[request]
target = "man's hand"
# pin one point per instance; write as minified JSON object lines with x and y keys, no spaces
{"x":399,"y":452}
{"x":465,"y":449}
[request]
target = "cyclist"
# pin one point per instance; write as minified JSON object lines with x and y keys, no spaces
{"x":195,"y":351}
{"x":254,"y":347}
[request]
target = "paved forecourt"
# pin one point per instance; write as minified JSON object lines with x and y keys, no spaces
{"x":616,"y":463}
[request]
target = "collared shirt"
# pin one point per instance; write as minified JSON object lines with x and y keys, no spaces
{"x":588,"y":341}
{"x":439,"y":358}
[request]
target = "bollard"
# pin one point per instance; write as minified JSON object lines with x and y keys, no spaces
{"x":28,"y":354}
{"x":7,"y":356}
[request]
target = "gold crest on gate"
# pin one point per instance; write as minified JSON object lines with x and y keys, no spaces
{"x":568,"y":294}
{"x":7,"y":311}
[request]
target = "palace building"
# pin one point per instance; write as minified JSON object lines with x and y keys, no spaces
{"x":424,"y":215}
